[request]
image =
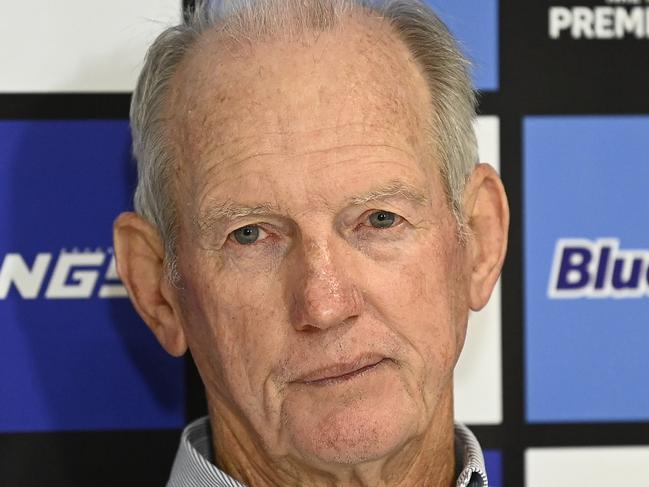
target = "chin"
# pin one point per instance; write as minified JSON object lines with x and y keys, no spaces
{"x":354,"y":433}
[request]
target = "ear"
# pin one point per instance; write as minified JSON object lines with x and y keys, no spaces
{"x":487,"y":215}
{"x":140,"y":264}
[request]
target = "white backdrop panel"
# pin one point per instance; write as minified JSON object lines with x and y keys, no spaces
{"x":478,"y":376}
{"x":591,"y":466}
{"x":78,"y":45}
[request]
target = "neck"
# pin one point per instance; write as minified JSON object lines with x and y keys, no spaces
{"x":425,"y":460}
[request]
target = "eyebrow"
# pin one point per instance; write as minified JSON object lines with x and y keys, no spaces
{"x":391,"y":190}
{"x":228,"y":211}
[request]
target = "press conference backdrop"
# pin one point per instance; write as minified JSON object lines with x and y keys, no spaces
{"x":554,"y":378}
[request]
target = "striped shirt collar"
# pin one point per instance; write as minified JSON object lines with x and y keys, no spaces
{"x":192,"y":467}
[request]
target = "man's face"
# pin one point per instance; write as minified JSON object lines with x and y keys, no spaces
{"x":323,"y":288}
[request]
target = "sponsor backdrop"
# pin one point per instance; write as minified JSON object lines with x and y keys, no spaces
{"x":553,"y":379}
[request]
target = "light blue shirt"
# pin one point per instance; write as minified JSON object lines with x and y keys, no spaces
{"x":192,"y":467}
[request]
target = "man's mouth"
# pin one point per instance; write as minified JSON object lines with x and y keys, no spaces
{"x":342,"y":372}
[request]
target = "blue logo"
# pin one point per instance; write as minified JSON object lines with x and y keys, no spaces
{"x":598,"y":269}
{"x":74,"y":355}
{"x":475,"y":24}
{"x":586,"y":268}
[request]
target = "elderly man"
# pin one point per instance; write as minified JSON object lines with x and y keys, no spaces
{"x":312,"y":224}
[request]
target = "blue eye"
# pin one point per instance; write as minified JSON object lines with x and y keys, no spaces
{"x":382,"y":219}
{"x":246,"y":235}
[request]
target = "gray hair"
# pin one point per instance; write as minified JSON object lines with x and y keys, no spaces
{"x":445,"y":68}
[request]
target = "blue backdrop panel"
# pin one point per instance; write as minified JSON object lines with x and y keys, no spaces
{"x":475,"y":24}
{"x":74,"y":355}
{"x":494,"y":465}
{"x":586,"y":263}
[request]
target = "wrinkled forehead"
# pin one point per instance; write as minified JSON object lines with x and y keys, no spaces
{"x":359,"y":76}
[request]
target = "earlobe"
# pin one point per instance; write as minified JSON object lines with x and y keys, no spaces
{"x":487,"y":214}
{"x":140,"y":264}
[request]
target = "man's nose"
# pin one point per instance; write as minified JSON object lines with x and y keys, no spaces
{"x":325,"y":294}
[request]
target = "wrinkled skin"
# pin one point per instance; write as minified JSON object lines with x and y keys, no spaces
{"x":327,"y":340}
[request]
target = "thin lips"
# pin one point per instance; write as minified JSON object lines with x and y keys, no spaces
{"x":335,"y":371}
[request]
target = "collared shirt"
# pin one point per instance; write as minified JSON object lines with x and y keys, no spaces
{"x":192,"y":467}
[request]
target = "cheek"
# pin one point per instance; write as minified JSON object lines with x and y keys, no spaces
{"x":422,"y":299}
{"x":235,"y":332}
